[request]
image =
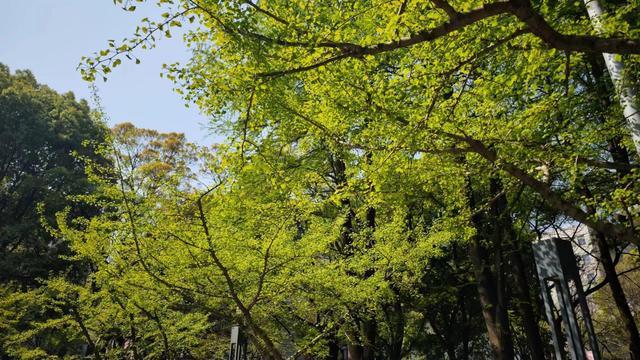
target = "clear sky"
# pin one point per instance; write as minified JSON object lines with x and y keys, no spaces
{"x":48,"y":37}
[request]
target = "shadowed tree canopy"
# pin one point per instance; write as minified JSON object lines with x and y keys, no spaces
{"x":43,"y":136}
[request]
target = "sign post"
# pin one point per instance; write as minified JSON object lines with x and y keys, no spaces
{"x":557,"y":268}
{"x":238,"y":346}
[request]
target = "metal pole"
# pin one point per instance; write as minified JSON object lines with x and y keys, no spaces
{"x":586,"y":315}
{"x":548,"y":307}
{"x":573,"y":331}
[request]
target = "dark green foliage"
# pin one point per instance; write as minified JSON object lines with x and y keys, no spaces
{"x":45,"y":139}
{"x":41,"y":135}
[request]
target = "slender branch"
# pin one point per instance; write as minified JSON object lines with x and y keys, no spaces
{"x":304,"y":68}
{"x":603,"y":283}
{"x":134,"y":232}
{"x":156,"y":319}
{"x":85,"y":332}
{"x":245,"y":126}
{"x":444,"y":5}
{"x":149,"y":35}
{"x":246,"y":313}
{"x":316,"y":339}
{"x":268,"y":13}
{"x":241,"y":31}
{"x":613,"y":165}
{"x":265,"y":267}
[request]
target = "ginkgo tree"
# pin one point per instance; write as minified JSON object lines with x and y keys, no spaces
{"x":490,"y":111}
{"x":283,"y":240}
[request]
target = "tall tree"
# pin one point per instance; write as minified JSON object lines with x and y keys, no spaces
{"x":46,"y":140}
{"x":42,"y":136}
{"x":443,"y":94}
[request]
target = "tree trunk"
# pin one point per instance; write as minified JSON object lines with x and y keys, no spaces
{"x":134,"y":339}
{"x":490,"y":289}
{"x":440,"y":334}
{"x":525,"y":308}
{"x":395,"y":321}
{"x":369,"y":327}
{"x":334,"y":349}
{"x":369,"y":333}
{"x":619,"y":297}
{"x":619,"y":153}
{"x":355,"y":352}
{"x":616,"y":70}
{"x":494,"y":313}
{"x":451,"y":353}
{"x":464,"y":353}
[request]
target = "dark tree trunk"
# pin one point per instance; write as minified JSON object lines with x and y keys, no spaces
{"x":451,"y":353}
{"x":395,"y":320}
{"x":619,"y":297}
{"x":464,"y":353}
{"x":525,"y":308}
{"x":355,"y":352}
{"x":493,"y":311}
{"x":441,"y":335}
{"x":490,"y":288}
{"x":334,"y":349}
{"x":134,"y":339}
{"x":369,"y":327}
{"x":369,"y":333}
{"x":364,"y":350}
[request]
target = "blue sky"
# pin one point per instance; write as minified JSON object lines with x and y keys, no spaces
{"x":48,"y":37}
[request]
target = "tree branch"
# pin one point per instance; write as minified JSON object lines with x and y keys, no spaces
{"x":523,"y":10}
{"x":552,"y":198}
{"x":444,"y":5}
{"x":303,"y":68}
{"x":246,"y":313}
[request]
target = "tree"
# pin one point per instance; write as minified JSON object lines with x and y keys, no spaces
{"x":495,"y":108}
{"x":41,"y":133}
